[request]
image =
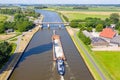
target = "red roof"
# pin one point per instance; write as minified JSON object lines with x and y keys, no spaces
{"x":107,"y":33}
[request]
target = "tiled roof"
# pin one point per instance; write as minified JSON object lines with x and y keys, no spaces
{"x":108,"y":33}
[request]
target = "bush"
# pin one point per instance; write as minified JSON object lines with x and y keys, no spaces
{"x":5,"y":51}
{"x":66,"y":19}
{"x":99,"y":27}
{"x":85,"y":39}
{"x":73,"y":24}
{"x":89,"y":29}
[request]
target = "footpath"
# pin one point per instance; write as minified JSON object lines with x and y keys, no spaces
{"x":22,"y":43}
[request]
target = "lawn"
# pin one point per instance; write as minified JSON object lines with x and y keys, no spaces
{"x":3,"y":17}
{"x":83,"y":14}
{"x":111,"y":62}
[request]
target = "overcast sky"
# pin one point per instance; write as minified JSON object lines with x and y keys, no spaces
{"x":62,"y":1}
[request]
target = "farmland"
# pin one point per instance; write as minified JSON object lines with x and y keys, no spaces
{"x":110,"y":61}
{"x":84,"y":14}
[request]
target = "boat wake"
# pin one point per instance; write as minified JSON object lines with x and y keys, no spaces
{"x":62,"y":78}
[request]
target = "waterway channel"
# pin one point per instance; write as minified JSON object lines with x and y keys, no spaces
{"x":36,"y":62}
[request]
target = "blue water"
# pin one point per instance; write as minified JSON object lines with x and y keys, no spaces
{"x":51,"y":17}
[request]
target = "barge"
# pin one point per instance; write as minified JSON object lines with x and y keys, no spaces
{"x":58,"y":54}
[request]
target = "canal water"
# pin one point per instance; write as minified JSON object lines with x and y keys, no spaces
{"x":36,"y":62}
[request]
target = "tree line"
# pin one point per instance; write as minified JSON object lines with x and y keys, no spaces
{"x":21,"y":21}
{"x":10,"y":11}
{"x":81,"y":7}
{"x":96,"y":23}
{"x":5,"y":52}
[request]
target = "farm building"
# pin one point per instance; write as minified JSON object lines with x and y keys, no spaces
{"x":115,"y":41}
{"x":108,"y":33}
{"x":98,"y":42}
{"x":87,"y":34}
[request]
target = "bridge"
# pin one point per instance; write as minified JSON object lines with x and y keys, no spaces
{"x":41,"y":23}
{"x":53,"y":23}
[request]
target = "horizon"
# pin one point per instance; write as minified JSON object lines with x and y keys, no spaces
{"x":60,"y":2}
{"x":51,"y":4}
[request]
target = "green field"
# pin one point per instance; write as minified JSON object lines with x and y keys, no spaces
{"x":111,"y":62}
{"x":82,"y":15}
{"x":3,"y":17}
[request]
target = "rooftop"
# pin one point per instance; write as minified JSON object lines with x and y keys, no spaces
{"x":108,"y":33}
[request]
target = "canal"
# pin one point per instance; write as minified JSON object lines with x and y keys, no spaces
{"x":36,"y":62}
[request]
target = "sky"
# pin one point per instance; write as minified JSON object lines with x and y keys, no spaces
{"x":60,"y":1}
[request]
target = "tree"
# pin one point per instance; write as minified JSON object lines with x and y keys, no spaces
{"x":2,"y":29}
{"x":119,"y":31}
{"x":5,"y":50}
{"x":73,"y":24}
{"x":107,"y":22}
{"x":99,"y":27}
{"x":89,"y":29}
{"x":79,"y":25}
{"x":117,"y":25}
{"x":85,"y":39}
{"x":114,"y":17}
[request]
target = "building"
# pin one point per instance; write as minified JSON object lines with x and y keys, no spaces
{"x":9,"y":31}
{"x":108,"y":33}
{"x":87,"y":34}
{"x":98,"y":42}
{"x":115,"y":41}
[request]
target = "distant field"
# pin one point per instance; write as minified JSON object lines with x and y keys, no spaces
{"x":111,"y":62}
{"x":3,"y":17}
{"x":105,"y":8}
{"x":83,"y":14}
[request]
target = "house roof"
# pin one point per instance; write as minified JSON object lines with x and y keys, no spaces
{"x":116,"y":40}
{"x":108,"y":33}
{"x":87,"y":34}
{"x":97,"y":40}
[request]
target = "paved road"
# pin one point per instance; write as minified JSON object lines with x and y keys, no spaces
{"x":89,"y":57}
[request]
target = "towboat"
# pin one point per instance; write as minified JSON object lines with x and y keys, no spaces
{"x":60,"y":66}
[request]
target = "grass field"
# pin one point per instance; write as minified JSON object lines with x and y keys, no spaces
{"x":83,"y":14}
{"x":111,"y":62}
{"x":3,"y":17}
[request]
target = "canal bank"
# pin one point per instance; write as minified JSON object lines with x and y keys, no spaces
{"x":23,"y":42}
